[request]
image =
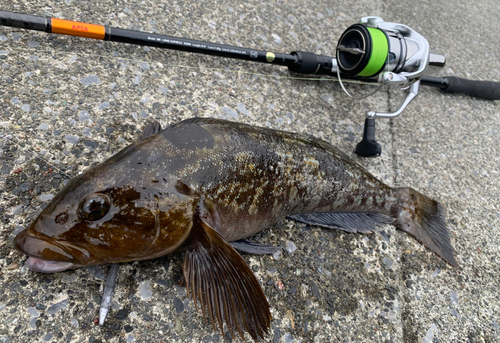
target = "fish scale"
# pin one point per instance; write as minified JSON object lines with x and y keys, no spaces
{"x":273,"y":165}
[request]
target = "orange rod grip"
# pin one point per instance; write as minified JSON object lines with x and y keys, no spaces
{"x":75,"y":28}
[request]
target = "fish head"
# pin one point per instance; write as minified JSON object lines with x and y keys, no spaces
{"x":99,"y":218}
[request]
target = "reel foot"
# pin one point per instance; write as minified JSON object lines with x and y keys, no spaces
{"x":368,"y":147}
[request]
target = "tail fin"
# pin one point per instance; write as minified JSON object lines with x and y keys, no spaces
{"x":425,"y":219}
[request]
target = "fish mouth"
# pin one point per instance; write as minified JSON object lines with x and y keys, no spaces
{"x":46,"y":256}
{"x":44,"y":266}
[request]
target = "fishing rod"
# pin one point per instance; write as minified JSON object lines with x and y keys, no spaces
{"x":372,"y":51}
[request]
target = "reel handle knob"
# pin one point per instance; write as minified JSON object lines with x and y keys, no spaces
{"x":368,"y":147}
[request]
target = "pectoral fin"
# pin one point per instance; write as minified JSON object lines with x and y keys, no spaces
{"x":351,"y":222}
{"x":218,"y":279}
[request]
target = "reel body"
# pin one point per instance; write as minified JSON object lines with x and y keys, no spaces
{"x":388,"y":54}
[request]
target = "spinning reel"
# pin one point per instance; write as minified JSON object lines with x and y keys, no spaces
{"x":388,"y":54}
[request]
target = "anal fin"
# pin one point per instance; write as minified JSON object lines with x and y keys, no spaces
{"x":219,"y":280}
{"x":347,"y":221}
{"x":254,"y":248}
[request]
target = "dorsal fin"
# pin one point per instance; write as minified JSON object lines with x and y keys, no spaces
{"x":151,"y":129}
{"x":219,"y":280}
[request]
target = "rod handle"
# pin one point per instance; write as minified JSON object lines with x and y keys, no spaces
{"x":488,"y":90}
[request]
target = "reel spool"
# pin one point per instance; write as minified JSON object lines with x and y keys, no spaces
{"x":365,"y":51}
{"x":387,"y":53}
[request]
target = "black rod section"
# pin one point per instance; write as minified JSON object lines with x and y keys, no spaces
{"x":296,"y":61}
{"x":25,"y":21}
{"x":190,"y":45}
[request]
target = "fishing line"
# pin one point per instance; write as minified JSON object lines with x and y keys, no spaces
{"x":53,"y":52}
{"x":352,"y":97}
{"x":128,"y":59}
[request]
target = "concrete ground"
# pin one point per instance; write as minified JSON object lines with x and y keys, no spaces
{"x":67,"y":103}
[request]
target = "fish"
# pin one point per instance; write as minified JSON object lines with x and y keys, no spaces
{"x":203,"y":186}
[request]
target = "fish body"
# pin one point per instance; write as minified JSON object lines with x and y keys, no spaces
{"x":202,"y":183}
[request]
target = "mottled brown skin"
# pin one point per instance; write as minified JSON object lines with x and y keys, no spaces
{"x":255,"y":177}
{"x":203,"y":182}
{"x":247,"y":177}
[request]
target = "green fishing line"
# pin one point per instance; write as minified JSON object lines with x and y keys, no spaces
{"x":379,"y":53}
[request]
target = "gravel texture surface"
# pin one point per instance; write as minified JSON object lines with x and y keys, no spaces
{"x":68,"y":103}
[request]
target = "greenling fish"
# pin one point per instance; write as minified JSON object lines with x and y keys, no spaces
{"x":202,"y":183}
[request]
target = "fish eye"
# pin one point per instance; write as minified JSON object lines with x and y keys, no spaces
{"x":94,"y":206}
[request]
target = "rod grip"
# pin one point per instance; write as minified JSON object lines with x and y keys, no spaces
{"x":24,"y":21}
{"x":481,"y":89}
